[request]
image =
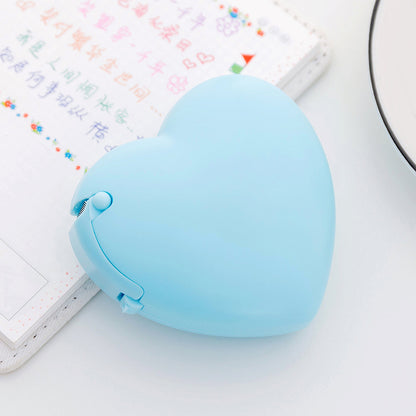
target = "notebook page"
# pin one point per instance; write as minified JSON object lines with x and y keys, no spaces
{"x":78,"y":79}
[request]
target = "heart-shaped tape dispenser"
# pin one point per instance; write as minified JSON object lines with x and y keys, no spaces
{"x":223,"y":224}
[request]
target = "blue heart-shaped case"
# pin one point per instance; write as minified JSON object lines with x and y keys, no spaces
{"x":223,"y":224}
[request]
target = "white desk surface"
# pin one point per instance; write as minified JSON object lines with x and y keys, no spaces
{"x":359,"y":354}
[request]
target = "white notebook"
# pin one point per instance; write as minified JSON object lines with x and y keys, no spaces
{"x":79,"y":78}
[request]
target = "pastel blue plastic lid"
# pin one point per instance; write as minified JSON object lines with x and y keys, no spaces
{"x":223,"y":224}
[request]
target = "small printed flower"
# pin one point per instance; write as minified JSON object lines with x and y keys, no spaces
{"x":236,"y":16}
{"x":69,"y":155}
{"x":8,"y":103}
{"x":233,"y":12}
{"x":13,"y":106}
{"x":36,"y":127}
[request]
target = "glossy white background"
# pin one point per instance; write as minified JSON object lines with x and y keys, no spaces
{"x":359,"y":354}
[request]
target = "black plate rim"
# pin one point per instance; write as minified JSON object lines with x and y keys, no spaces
{"x":375,"y":92}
